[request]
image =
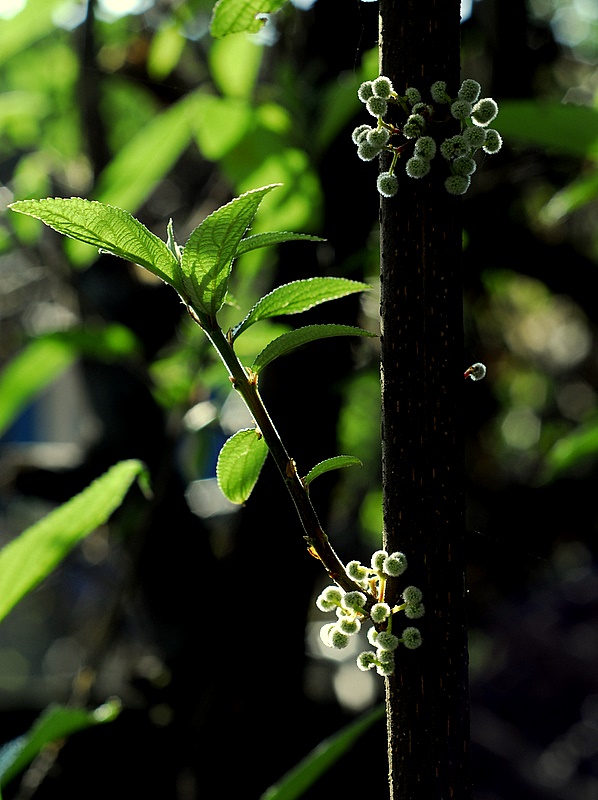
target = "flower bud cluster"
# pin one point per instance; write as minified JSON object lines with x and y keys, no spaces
{"x":352,"y":608}
{"x":414,"y":141}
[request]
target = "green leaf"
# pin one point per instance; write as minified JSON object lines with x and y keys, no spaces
{"x":273,"y":237}
{"x":336,"y":462}
{"x":298,"y":296}
{"x":35,"y":367}
{"x":240,"y":463}
{"x":298,"y":780}
{"x":580,"y":445}
{"x":42,"y":360}
{"x":55,"y":723}
{"x":211,"y":248}
{"x":290,"y":341}
{"x":28,"y":559}
{"x":234,"y":16}
{"x":562,"y":128}
{"x":107,"y":228}
{"x":576,"y":195}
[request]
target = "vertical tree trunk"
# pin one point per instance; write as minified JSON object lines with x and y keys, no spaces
{"x":422,"y":385}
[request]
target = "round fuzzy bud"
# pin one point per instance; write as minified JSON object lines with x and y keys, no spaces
{"x":411,"y":638}
{"x":476,"y":372}
{"x":372,"y":636}
{"x":414,"y":126}
{"x":365,"y":91}
{"x":470,"y":90}
{"x":415,"y":610}
{"x":382,"y":87}
{"x":354,"y":601}
{"x":422,"y":108}
{"x":475,"y":137}
{"x":387,"y":641}
{"x":484,"y":111}
{"x":378,"y":559}
{"x":360,"y":133}
{"x":333,"y":594}
{"x":425,"y":147}
{"x":493,"y":141}
{"x":413,"y":96}
{"x":367,"y":151}
{"x":378,"y":137}
{"x":461,"y":109}
{"x":395,"y":564}
{"x":388,"y":185}
{"x":417,"y":167}
{"x":411,"y":594}
{"x":366,"y":660}
{"x":349,"y":626}
{"x":385,"y":669}
{"x":325,"y":633}
{"x":464,"y":165}
{"x":438,"y":92}
{"x":457,"y":184}
{"x":454,"y":146}
{"x":337,"y":638}
{"x":379,"y":612}
{"x":356,"y":571}
{"x":377,"y":106}
{"x":385,"y":656}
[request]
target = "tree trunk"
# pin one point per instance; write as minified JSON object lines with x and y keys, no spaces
{"x":422,"y":385}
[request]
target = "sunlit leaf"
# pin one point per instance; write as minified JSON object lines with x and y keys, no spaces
{"x":573,"y":196}
{"x":291,"y":341}
{"x":107,"y":228}
{"x":211,"y":248}
{"x":28,"y":559}
{"x":38,"y":364}
{"x":234,"y":16}
{"x":54,"y":724}
{"x":235,"y":64}
{"x":559,"y":127}
{"x":336,"y":462}
{"x":240,"y":463}
{"x":272,"y":238}
{"x":299,"y":296}
{"x":220,"y":124}
{"x":298,"y":780}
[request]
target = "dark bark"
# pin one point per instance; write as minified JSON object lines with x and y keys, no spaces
{"x":422,"y":386}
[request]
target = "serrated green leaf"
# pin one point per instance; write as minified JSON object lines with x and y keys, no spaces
{"x":55,"y":723}
{"x":299,"y":296}
{"x":240,"y":463}
{"x":271,"y":238}
{"x":298,"y":780}
{"x":211,"y":248}
{"x":28,"y":559}
{"x":336,"y":462}
{"x":290,"y":341}
{"x":107,"y":228}
{"x":234,"y":16}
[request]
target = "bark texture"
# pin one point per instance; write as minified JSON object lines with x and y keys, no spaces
{"x":422,"y":388}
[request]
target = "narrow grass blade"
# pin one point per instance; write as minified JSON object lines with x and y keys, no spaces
{"x":321,"y":758}
{"x":28,"y":559}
